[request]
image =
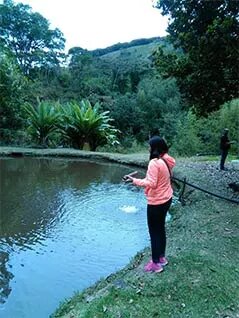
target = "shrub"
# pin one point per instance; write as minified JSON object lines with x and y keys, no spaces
{"x":83,"y":123}
{"x":43,"y":122}
{"x":187,"y":141}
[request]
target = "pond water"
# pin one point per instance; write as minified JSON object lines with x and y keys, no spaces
{"x":64,"y":224}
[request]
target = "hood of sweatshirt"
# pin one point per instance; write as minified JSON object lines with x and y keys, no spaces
{"x":170,"y":160}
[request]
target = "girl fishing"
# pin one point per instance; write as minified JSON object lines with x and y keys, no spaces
{"x":159,"y":192}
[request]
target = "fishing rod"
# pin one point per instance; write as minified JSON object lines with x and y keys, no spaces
{"x":126,"y":177}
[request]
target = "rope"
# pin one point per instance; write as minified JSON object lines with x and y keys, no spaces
{"x":203,"y":190}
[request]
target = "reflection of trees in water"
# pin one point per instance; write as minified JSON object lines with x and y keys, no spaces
{"x":30,"y":199}
{"x":31,"y":192}
{"x":5,"y":277}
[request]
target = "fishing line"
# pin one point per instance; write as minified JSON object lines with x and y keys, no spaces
{"x":134,"y":205}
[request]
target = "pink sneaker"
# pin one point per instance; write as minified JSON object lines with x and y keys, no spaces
{"x":153,"y":267}
{"x":163,"y":261}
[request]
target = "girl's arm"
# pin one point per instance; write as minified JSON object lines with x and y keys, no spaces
{"x":151,"y":179}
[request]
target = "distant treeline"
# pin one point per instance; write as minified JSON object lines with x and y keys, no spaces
{"x":125,"y":45}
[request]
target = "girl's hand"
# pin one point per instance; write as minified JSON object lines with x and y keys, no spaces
{"x":129,"y":177}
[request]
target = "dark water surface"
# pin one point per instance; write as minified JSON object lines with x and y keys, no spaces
{"x":62,"y":227}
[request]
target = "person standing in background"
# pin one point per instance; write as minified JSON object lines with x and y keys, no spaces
{"x":225,"y":145}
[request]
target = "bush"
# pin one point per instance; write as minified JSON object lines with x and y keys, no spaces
{"x":211,"y":128}
{"x":187,"y":142}
{"x":43,"y":122}
{"x":14,"y":137}
{"x":83,"y":123}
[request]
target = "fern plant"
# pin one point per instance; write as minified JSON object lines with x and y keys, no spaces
{"x":43,"y":122}
{"x":83,"y":123}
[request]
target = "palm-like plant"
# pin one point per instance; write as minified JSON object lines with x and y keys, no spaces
{"x":43,"y":121}
{"x":82,"y":123}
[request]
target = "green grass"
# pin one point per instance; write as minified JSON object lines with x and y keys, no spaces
{"x":132,"y":55}
{"x":202,"y":278}
{"x":191,"y":287}
{"x":200,"y":281}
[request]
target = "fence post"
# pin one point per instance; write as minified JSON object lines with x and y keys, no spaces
{"x":181,"y":199}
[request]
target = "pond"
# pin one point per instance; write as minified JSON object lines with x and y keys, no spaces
{"x":64,"y":224}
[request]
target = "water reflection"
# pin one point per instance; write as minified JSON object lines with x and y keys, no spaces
{"x":5,"y":277}
{"x":43,"y":182}
{"x":59,"y":218}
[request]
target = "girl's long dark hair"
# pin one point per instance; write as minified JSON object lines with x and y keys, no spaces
{"x":158,"y":147}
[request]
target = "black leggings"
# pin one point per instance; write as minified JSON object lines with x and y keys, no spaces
{"x":156,"y":215}
{"x":224,"y":154}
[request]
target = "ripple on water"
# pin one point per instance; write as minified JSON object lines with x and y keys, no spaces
{"x":65,"y":233}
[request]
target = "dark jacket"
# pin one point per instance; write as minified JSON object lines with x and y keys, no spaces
{"x":224,"y":144}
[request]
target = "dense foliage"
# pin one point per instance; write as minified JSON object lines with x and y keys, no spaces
{"x":146,"y":85}
{"x":202,"y":136}
{"x":82,"y":123}
{"x":77,"y":124}
{"x":206,"y":34}
{"x":29,"y":37}
{"x":43,"y":122}
{"x":12,"y":86}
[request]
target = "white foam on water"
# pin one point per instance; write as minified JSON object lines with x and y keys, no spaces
{"x":168,"y":217}
{"x":129,"y":208}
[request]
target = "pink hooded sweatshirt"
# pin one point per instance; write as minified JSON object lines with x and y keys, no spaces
{"x":157,"y":183}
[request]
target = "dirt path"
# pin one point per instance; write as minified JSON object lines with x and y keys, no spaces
{"x":206,"y":174}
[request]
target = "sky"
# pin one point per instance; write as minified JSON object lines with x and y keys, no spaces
{"x":93,"y":24}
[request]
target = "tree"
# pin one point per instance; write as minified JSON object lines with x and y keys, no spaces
{"x":202,"y":136}
{"x":79,"y":58}
{"x":187,"y":142}
{"x":28,"y":36}
{"x":127,"y":115}
{"x":206,"y":32}
{"x":12,"y":87}
{"x":160,"y":101}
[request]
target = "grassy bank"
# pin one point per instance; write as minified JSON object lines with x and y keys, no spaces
{"x":200,"y":281}
{"x":202,"y":278}
{"x":131,"y":159}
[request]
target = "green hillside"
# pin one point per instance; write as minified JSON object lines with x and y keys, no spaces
{"x":125,"y":45}
{"x":133,"y":55}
